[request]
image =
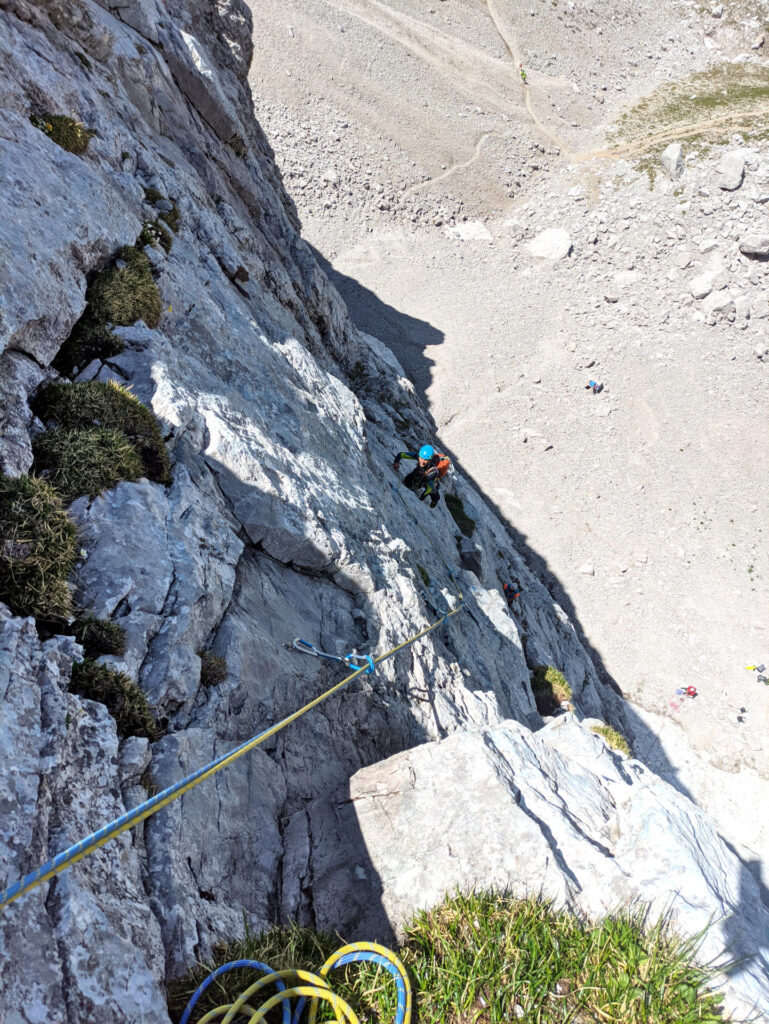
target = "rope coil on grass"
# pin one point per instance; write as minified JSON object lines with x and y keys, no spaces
{"x":306,"y":986}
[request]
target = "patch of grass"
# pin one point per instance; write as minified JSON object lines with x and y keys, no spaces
{"x":125,"y":700}
{"x":424,"y":574}
{"x":65,"y":131}
{"x":489,"y":959}
{"x":172,"y":218}
{"x":85,"y":461}
{"x":709,"y":105}
{"x":152,"y":195}
{"x":119,"y":296}
{"x":213,"y":668}
{"x":550,"y":689}
{"x":460,"y":517}
{"x":153,"y":233}
{"x":88,"y":404}
{"x":125,"y":155}
{"x":614,"y":738}
{"x":99,"y":636}
{"x":37,"y":548}
{"x":83,"y":60}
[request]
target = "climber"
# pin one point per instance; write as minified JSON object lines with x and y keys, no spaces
{"x":431,"y":467}
{"x":511,"y":592}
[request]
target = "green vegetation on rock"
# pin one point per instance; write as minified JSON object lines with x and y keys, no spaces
{"x":99,"y":636}
{"x":614,"y":738}
{"x":460,"y":517}
{"x":125,"y":700}
{"x":490,"y":959}
{"x":89,"y":404}
{"x":550,"y":689}
{"x":85,"y":461}
{"x":65,"y":131}
{"x":172,"y":218}
{"x":424,"y":574}
{"x":153,"y":233}
{"x":118,"y":296}
{"x":213,"y":668}
{"x":37,"y":548}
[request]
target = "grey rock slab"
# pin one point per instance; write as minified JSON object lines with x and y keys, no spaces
{"x":162,"y":562}
{"x":82,"y":210}
{"x":731,"y":170}
{"x":708,"y":281}
{"x":85,"y":946}
{"x":672,"y":160}
{"x":551,"y":244}
{"x":19,"y":376}
{"x":755,"y":244}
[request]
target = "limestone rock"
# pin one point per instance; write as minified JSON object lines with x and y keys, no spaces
{"x":731,"y":171}
{"x":551,"y":244}
{"x":561,"y":815}
{"x":756,"y":245}
{"x":87,"y":947}
{"x":672,"y":160}
{"x":708,"y":281}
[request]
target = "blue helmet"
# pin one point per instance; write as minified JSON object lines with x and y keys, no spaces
{"x":426,"y":451}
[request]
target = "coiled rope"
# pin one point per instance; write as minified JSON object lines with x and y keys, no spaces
{"x":304,"y":986}
{"x":144,"y":810}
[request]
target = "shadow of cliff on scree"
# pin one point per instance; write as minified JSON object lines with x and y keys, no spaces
{"x":410,"y":339}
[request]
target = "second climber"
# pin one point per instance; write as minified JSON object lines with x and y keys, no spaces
{"x":431,"y":467}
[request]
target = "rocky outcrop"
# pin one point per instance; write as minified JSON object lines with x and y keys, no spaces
{"x":283,"y":519}
{"x":562,"y":815}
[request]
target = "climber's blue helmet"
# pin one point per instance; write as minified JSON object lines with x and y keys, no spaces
{"x":426,"y":451}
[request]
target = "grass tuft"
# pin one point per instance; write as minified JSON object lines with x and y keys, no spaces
{"x":107,"y":405}
{"x":172,"y":218}
{"x":550,"y":689}
{"x":614,"y":738}
{"x":125,"y":700}
{"x":99,"y":636}
{"x":213,"y":668}
{"x":119,"y":296}
{"x":460,"y":517}
{"x":489,"y":959}
{"x":424,"y":574}
{"x":85,"y":461}
{"x":37,"y":548}
{"x":65,"y":131}
{"x":152,"y":195}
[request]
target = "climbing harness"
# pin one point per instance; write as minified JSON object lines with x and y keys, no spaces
{"x":352,"y":660}
{"x":305,"y":986}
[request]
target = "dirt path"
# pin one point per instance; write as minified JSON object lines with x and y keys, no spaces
{"x":681,"y":130}
{"x":510,"y":45}
{"x":451,"y":170}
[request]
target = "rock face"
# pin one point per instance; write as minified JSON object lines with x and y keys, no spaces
{"x":283,"y":519}
{"x":561,"y":815}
